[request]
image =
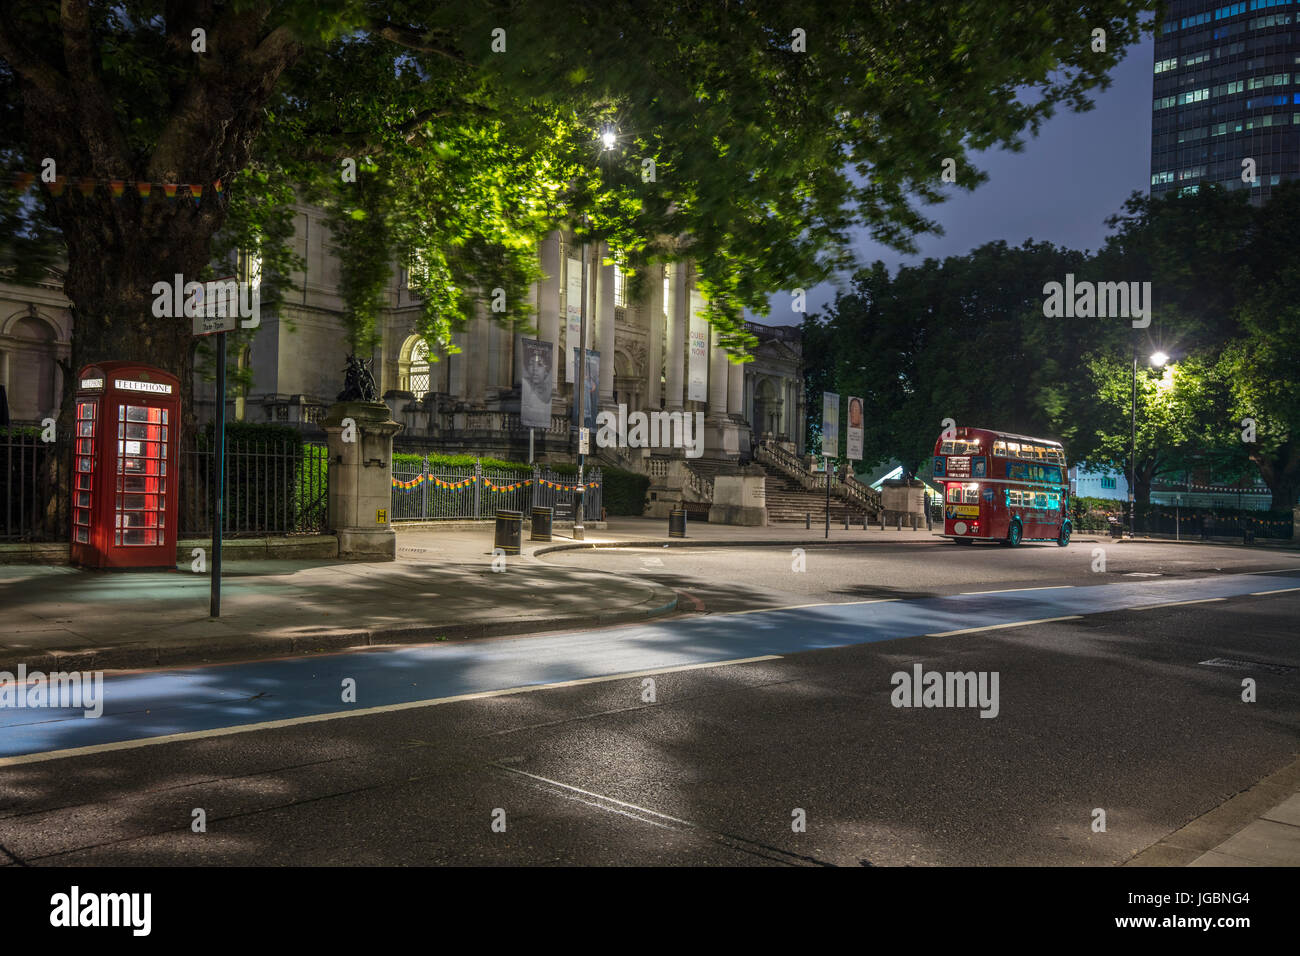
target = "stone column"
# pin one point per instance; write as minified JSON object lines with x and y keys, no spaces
{"x":476,"y":359}
{"x":736,"y":389}
{"x":605,"y":325}
{"x":360,"y":438}
{"x":717,"y":376}
{"x":655,"y":353}
{"x":675,"y":348}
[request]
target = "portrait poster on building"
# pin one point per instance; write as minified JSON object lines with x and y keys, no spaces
{"x":697,"y":369}
{"x":830,"y":425}
{"x":536,"y":387}
{"x":573,"y":316}
{"x":591,"y":385}
{"x":856,"y":429}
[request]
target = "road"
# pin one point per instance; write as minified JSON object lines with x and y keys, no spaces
{"x":760,"y":712}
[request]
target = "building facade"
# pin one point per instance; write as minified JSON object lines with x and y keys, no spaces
{"x":1225,"y":97}
{"x":467,"y":399}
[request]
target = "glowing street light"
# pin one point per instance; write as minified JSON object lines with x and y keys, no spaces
{"x":608,"y":137}
{"x":1157,"y":359}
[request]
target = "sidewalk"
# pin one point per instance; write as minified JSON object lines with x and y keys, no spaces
{"x":1258,"y":827}
{"x":441,"y":587}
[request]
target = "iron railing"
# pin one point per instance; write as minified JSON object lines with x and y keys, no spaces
{"x":431,"y":492}
{"x":33,"y":486}
{"x":271,"y":487}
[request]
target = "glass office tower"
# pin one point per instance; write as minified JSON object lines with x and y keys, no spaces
{"x":1225,"y":90}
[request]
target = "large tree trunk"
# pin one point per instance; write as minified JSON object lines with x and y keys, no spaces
{"x":1281,"y":472}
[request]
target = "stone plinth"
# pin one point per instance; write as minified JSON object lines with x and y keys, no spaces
{"x":902,"y":497}
{"x":740,"y":499}
{"x":360,"y":436}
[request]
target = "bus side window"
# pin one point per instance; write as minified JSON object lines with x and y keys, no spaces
{"x":954,"y":490}
{"x":1000,"y":449}
{"x":1013,"y":497}
{"x":1013,"y":448}
{"x":1054,"y":502}
{"x":1040,"y":500}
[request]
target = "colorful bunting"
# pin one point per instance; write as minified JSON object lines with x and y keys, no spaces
{"x":418,"y":480}
{"x":22,"y":181}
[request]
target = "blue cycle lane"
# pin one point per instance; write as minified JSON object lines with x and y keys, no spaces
{"x":139,"y":706}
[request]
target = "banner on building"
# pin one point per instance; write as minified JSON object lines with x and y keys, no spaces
{"x":697,"y":369}
{"x":573,"y":316}
{"x":590,"y":385}
{"x":856,"y":429}
{"x":536,"y":385}
{"x":830,"y":425}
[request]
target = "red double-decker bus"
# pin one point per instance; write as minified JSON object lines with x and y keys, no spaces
{"x":1002,"y":487}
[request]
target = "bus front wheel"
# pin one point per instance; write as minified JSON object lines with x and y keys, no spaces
{"x":1013,"y":535}
{"x":1063,"y":538}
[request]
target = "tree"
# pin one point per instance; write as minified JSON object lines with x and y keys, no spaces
{"x":774,"y":127}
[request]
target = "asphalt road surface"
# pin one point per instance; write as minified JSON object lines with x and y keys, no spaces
{"x":558,"y":749}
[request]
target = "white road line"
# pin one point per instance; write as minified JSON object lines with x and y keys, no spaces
{"x":363,"y":712}
{"x":1252,"y":593}
{"x":598,"y":796}
{"x":1278,"y":571}
{"x":996,"y":627}
{"x":1152,"y":607}
{"x":1050,"y":587}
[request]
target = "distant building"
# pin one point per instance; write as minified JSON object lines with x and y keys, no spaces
{"x":1225,"y":91}
{"x":1195,"y":491}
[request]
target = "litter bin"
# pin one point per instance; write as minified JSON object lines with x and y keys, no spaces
{"x":542,"y":520}
{"x":1116,"y":528}
{"x":509,"y":529}
{"x":677,"y":523}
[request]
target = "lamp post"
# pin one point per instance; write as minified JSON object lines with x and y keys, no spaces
{"x":608,"y":139}
{"x":1158,"y":359}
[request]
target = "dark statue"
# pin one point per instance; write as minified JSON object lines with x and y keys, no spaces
{"x":359,"y":382}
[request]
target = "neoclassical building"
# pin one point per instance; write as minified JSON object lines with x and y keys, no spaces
{"x":469,"y":400}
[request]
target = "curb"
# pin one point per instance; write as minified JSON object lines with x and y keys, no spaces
{"x":1202,"y":834}
{"x":722,"y":543}
{"x":150,"y":655}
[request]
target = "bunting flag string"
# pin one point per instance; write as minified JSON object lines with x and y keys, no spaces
{"x":418,"y":480}
{"x":22,"y":181}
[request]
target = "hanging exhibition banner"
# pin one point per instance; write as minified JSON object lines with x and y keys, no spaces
{"x":590,"y":385}
{"x":536,"y":385}
{"x":697,"y":369}
{"x":856,"y":429}
{"x":572,"y":316}
{"x":830,"y":425}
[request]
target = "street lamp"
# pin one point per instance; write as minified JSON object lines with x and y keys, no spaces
{"x":1157,"y":360}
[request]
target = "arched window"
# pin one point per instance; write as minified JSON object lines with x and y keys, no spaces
{"x":417,"y":380}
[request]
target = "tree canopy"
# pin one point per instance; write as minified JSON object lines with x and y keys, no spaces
{"x":750,"y":137}
{"x":967,"y":339}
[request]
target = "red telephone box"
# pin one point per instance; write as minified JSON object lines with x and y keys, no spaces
{"x":125,"y":467}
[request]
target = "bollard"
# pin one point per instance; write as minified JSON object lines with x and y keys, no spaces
{"x":509,"y":529}
{"x":677,"y":523}
{"x":882,"y":519}
{"x":807,"y":516}
{"x":846,"y":521}
{"x":915,"y":524}
{"x":543,"y":518}
{"x":898,"y":522}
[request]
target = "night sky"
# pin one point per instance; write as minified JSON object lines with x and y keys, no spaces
{"x":1060,"y":188}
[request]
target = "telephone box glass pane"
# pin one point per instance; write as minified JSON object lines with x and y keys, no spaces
{"x":141,"y":501}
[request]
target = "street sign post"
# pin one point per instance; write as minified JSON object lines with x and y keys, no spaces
{"x":217,"y":315}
